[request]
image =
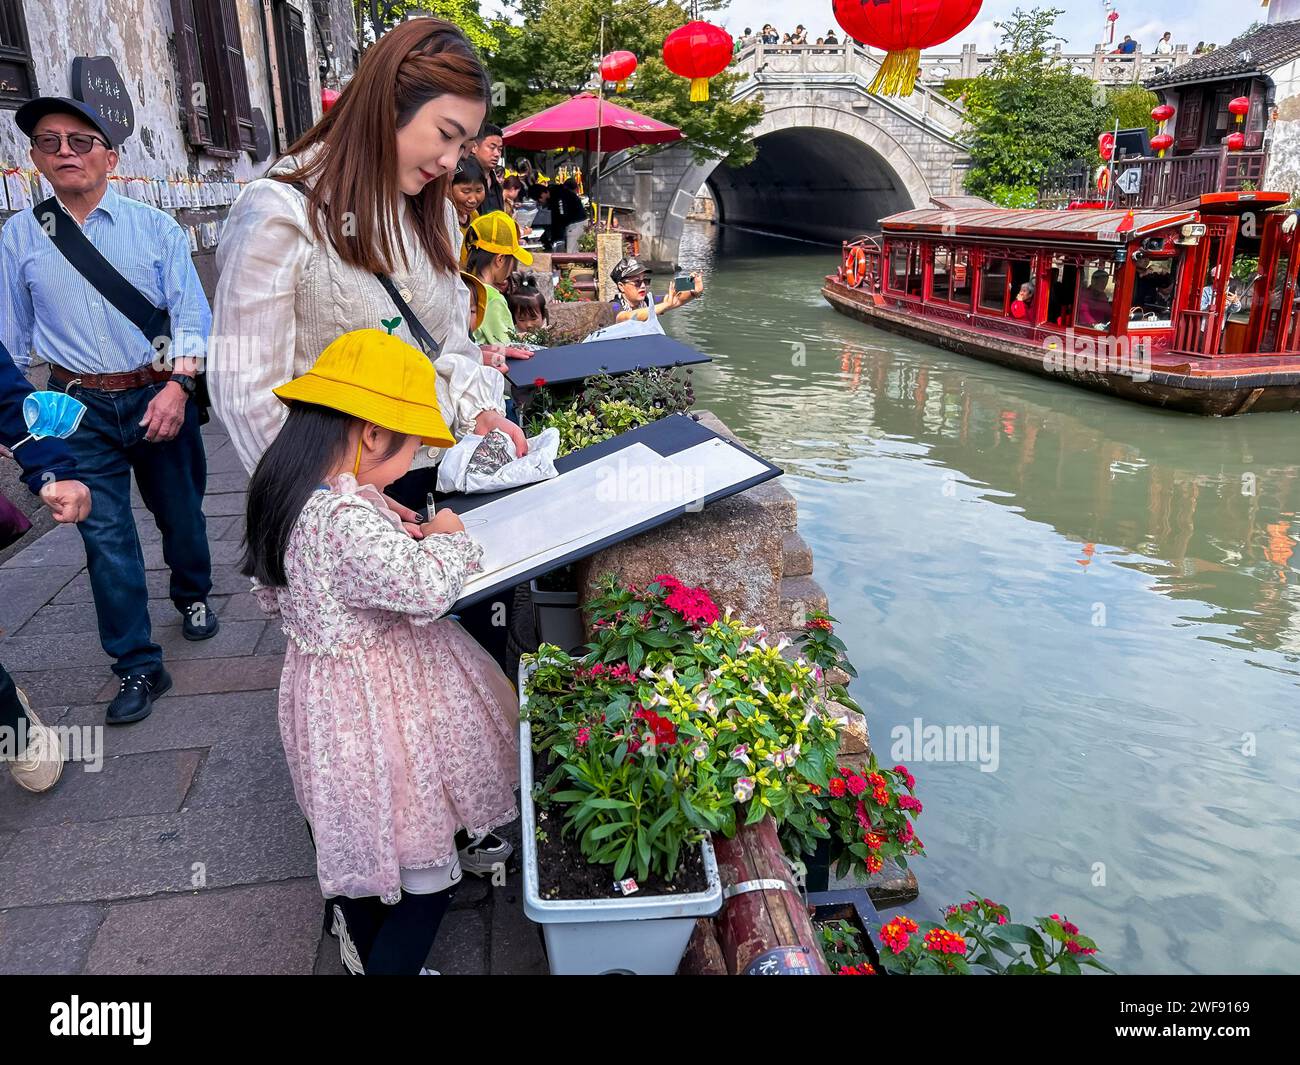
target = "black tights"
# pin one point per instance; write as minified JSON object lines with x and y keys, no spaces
{"x":395,"y":940}
{"x":11,"y":710}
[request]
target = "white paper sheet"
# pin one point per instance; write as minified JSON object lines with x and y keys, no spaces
{"x":548,"y":520}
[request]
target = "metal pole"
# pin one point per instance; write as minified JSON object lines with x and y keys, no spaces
{"x":600,"y":108}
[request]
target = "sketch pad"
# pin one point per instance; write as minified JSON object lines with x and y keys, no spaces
{"x":573,"y":362}
{"x":604,"y":494}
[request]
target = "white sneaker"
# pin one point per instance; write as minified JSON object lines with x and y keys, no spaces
{"x":485,"y":852}
{"x":348,"y":953}
{"x":42,"y":763}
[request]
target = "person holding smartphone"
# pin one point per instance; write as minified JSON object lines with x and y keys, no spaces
{"x":635,"y":301}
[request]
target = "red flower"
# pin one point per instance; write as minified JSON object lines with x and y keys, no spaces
{"x":584,"y":734}
{"x":903,"y":772}
{"x":693,"y":604}
{"x":855,"y":784}
{"x":908,"y":802}
{"x":665,"y":732}
{"x":668,"y":582}
{"x":865,"y":969}
{"x":1074,"y":947}
{"x":815,"y":789}
{"x":906,"y":834}
{"x":836,"y":787}
{"x":896,"y":934}
{"x":873,"y":841}
{"x":819,"y":623}
{"x":861,"y":814}
{"x":942,"y":941}
{"x":539,"y":382}
{"x":874,"y":863}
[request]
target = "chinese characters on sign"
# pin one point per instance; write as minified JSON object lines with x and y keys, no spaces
{"x":96,"y":81}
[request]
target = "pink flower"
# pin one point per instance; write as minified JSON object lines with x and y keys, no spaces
{"x":584,"y":734}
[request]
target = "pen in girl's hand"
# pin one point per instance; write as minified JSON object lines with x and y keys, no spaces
{"x":428,"y":514}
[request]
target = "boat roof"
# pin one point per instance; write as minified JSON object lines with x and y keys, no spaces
{"x":1087,"y":225}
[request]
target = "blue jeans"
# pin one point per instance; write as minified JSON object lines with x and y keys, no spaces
{"x":172,"y":475}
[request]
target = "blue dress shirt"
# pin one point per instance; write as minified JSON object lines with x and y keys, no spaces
{"x":47,"y":307}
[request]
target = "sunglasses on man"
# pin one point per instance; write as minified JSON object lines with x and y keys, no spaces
{"x":81,"y":143}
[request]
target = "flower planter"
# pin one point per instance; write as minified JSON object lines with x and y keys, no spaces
{"x":854,"y":906}
{"x":631,"y":935}
{"x":557,"y":617}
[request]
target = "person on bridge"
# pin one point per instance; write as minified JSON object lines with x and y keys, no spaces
{"x":634,"y":297}
{"x":1165,"y":46}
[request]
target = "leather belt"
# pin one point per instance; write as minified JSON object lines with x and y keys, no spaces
{"x":110,"y":382}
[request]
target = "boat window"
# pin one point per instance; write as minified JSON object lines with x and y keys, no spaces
{"x":1154,"y":284}
{"x":1092,"y":308}
{"x":1277,"y":309}
{"x":941,"y":271}
{"x":1061,"y":279}
{"x":905,"y":267}
{"x":993,"y":286}
{"x":960,"y":284}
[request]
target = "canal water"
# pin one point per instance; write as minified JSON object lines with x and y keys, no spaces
{"x":1109,"y":593}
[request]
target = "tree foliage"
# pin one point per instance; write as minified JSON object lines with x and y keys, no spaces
{"x":375,"y":17}
{"x":1026,"y":113}
{"x":1130,"y":106}
{"x":556,"y":53}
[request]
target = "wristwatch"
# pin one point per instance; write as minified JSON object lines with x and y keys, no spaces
{"x":186,"y":381}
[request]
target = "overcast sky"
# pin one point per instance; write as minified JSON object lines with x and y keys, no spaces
{"x":1082,"y":24}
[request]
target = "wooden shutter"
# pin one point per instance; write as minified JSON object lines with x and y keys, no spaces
{"x":1187,"y":135}
{"x":234,"y":75}
{"x":192,"y":91}
{"x":1255,"y":117}
{"x":295,"y":76}
{"x":17,"y":81}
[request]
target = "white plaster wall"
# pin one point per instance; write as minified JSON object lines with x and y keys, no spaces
{"x":1283,"y":173}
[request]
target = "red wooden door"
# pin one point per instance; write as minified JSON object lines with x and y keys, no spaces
{"x":1200,"y":315}
{"x":1274,"y":293}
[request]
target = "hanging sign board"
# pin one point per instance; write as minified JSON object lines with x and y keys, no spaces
{"x":96,"y":81}
{"x":1130,"y":181}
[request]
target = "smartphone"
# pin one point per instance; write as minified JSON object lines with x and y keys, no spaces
{"x":683,"y":283}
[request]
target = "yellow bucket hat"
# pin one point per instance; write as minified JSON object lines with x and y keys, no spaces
{"x":479,"y":291}
{"x":379,"y":378}
{"x":496,"y":232}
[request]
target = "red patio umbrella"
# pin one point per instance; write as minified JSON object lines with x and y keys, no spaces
{"x":588,"y":123}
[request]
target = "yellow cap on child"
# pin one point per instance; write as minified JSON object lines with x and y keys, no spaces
{"x":377,"y":377}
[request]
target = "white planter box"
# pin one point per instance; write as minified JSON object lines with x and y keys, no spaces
{"x":645,"y":936}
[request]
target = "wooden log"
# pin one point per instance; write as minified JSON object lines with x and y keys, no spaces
{"x":764,"y":927}
{"x":703,"y":955}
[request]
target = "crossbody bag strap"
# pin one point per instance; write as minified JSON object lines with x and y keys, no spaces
{"x":423,"y":337}
{"x":103,"y":276}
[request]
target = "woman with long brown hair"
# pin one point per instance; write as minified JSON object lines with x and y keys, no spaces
{"x":353,"y":229}
{"x":355,"y":218}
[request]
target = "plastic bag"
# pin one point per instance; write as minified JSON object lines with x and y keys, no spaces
{"x":631,"y":328}
{"x":490,"y":464}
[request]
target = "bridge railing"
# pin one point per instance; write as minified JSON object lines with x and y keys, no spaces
{"x":1100,"y":65}
{"x":796,"y":64}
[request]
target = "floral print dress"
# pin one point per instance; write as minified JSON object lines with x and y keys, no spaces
{"x":399,"y":729}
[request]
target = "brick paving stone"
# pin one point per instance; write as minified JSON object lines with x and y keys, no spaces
{"x":187,"y":721}
{"x":5,"y":839}
{"x":241,"y":607}
{"x":273,"y":641}
{"x":234,"y":481}
{"x":27,"y":589}
{"x":223,"y":553}
{"x":226,"y":580}
{"x":129,"y":786}
{"x":250,"y":769}
{"x":461,"y":948}
{"x":225,"y":460}
{"x":225,"y":503}
{"x":259,"y":929}
{"x":79,"y":646}
{"x":149,"y":533}
{"x":129,"y":857}
{"x":61,"y":546}
{"x":202,"y":675}
{"x":47,"y":940}
{"x":63,"y":687}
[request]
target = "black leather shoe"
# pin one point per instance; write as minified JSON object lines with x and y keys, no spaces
{"x":200,"y":622}
{"x":134,"y":702}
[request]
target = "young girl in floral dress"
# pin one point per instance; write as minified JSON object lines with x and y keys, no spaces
{"x":399,"y":730}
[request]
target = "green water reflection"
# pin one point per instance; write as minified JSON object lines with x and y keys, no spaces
{"x":1114,"y":588}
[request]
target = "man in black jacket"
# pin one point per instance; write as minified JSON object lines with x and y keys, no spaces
{"x":568,"y":215}
{"x":32,"y":750}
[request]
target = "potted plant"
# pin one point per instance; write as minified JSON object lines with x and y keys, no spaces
{"x":844,"y":920}
{"x":557,"y":618}
{"x":679,"y":722}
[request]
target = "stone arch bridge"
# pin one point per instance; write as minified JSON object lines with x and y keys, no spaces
{"x":832,"y":158}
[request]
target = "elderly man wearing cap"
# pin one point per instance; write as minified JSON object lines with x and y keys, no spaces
{"x":98,"y":284}
{"x":634,"y":298}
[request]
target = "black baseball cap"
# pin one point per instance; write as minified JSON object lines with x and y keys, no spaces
{"x":626,"y":269}
{"x":34,"y":110}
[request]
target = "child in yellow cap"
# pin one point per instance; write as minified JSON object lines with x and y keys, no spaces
{"x":493,"y":240}
{"x":399,"y":730}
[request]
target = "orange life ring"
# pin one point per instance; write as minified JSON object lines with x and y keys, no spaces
{"x":855,"y":267}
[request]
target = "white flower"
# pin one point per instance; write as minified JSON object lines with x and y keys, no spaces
{"x":744,"y":789}
{"x":648,"y":674}
{"x":700,"y":752}
{"x":782,"y":644}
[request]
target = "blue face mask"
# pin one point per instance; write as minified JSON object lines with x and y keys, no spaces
{"x":51,"y":414}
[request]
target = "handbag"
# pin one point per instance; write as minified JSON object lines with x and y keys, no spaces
{"x":13,"y":523}
{"x":104,"y":278}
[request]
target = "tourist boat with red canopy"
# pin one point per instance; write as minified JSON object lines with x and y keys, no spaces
{"x":1192,"y":307}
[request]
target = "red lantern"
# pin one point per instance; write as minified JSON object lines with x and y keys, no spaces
{"x":1160,"y":142}
{"x":902,"y":28}
{"x":1235,"y":141}
{"x":1239,"y":107}
{"x":328,"y":98}
{"x":699,"y":51}
{"x":1163,"y":113}
{"x":1113,"y":16}
{"x":618,"y":67}
{"x":1106,"y":146}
